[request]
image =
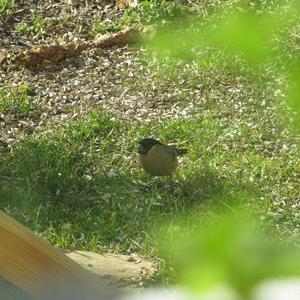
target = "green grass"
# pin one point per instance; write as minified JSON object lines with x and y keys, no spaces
{"x":153,"y":12}
{"x":23,"y":28}
{"x":36,"y":26}
{"x":80,"y":186}
{"x":17,"y":102}
{"x":6,"y":6}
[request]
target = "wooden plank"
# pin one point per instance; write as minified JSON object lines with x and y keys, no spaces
{"x":35,"y":266}
{"x":9,"y":291}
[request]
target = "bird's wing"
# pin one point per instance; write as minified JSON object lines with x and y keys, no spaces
{"x":168,"y":152}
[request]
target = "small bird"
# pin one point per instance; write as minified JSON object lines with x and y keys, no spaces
{"x":158,"y":159}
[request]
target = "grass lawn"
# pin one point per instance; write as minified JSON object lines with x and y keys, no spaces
{"x":78,"y":184}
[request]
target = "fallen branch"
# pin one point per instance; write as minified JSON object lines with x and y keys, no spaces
{"x":40,"y":56}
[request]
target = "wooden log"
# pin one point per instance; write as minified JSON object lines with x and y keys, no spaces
{"x":39,"y":269}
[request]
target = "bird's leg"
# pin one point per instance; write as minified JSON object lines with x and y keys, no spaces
{"x":170,"y":183}
{"x":147,"y":186}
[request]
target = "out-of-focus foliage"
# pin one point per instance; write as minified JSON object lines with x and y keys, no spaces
{"x":257,"y":35}
{"x":78,"y":185}
{"x":231,"y":251}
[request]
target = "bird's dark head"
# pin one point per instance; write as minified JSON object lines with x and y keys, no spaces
{"x":146,"y":144}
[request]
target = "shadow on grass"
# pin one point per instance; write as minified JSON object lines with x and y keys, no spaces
{"x":44,"y":185}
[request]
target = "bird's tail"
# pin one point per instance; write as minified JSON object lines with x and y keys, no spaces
{"x":181,"y":151}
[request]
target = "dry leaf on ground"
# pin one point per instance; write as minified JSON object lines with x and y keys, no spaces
{"x":39,"y":56}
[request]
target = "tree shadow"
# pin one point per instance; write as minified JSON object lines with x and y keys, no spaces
{"x":45,"y":187}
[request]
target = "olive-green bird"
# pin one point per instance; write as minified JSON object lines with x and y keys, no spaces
{"x":158,"y":159}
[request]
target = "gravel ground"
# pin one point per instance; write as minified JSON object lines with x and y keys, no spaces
{"x":98,"y":79}
{"x":128,"y":85}
{"x":122,"y":81}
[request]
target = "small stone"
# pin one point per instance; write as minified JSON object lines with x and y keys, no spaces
{"x":131,"y":259}
{"x":72,"y":2}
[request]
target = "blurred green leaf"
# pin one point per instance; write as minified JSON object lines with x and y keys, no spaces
{"x":232,"y":251}
{"x":261,"y":38}
{"x":293,"y":95}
